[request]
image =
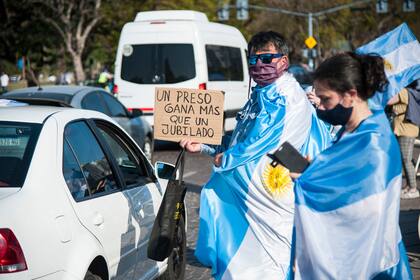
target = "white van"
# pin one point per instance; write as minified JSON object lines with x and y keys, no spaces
{"x":180,"y":49}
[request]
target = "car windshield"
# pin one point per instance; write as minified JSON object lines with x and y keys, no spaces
{"x":17,"y":143}
{"x":158,"y":63}
{"x":60,"y":97}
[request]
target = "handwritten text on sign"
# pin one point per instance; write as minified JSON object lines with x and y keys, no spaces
{"x":188,"y":113}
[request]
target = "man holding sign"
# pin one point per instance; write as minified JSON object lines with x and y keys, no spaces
{"x":247,"y":207}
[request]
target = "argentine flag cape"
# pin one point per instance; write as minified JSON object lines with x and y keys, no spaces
{"x":247,"y":207}
{"x":401,"y":53}
{"x":347,"y":208}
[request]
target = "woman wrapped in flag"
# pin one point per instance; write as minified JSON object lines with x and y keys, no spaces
{"x":247,"y":207}
{"x":347,"y":200}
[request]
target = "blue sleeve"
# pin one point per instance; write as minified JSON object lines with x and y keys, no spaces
{"x":213,"y":150}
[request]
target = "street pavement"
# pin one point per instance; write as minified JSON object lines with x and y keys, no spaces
{"x":409,"y":215}
{"x":197,"y":171}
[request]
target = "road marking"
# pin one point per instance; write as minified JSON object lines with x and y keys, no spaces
{"x":190,"y":173}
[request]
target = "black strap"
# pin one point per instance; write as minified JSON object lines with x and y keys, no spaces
{"x":180,"y":161}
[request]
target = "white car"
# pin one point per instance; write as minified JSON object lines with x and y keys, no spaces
{"x":78,"y":199}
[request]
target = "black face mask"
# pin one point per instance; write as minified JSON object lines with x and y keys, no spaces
{"x":339,"y":115}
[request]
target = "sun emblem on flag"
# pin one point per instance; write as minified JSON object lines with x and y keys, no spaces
{"x":388,"y":65}
{"x":276,"y":180}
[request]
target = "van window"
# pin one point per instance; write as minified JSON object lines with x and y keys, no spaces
{"x":158,"y":63}
{"x":224,"y":63}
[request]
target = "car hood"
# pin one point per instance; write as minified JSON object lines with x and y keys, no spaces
{"x":5,"y":192}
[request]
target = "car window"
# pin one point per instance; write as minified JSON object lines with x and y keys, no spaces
{"x":93,"y":162}
{"x":158,"y":63}
{"x":93,"y":101}
{"x":134,"y":173}
{"x":17,"y":144}
{"x":302,"y":75}
{"x":224,"y":63}
{"x":73,"y":174}
{"x":116,"y":108}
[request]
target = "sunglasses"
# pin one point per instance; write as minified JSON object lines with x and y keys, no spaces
{"x":265,"y":58}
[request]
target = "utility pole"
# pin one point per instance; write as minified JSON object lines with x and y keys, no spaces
{"x":310,"y":35}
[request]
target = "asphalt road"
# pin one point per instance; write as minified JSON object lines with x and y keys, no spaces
{"x":197,"y":172}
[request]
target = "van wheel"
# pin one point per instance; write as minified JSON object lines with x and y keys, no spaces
{"x":177,"y":260}
{"x":90,"y":276}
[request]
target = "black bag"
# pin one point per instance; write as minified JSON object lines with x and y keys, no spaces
{"x":162,"y":238}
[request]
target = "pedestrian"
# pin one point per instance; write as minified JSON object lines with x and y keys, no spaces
{"x":4,"y":80}
{"x":406,"y":132}
{"x":247,"y":207}
{"x":104,"y":79}
{"x":347,"y":200}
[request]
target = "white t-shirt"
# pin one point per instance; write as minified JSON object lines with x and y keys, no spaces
{"x":4,"y":80}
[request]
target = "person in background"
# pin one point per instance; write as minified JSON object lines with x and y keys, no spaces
{"x":104,"y":79}
{"x":247,"y":207}
{"x":347,"y":200}
{"x":4,"y":81}
{"x":406,"y":132}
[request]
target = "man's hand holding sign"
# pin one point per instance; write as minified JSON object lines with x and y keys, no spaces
{"x":189,"y":116}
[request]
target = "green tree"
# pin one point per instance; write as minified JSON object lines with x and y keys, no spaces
{"x":85,"y":33}
{"x":343,"y":30}
{"x":20,"y":36}
{"x":73,"y":20}
{"x":102,"y":45}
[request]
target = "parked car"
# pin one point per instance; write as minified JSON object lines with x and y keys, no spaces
{"x":302,"y":75}
{"x":180,"y":49}
{"x":78,"y":198}
{"x":90,"y":98}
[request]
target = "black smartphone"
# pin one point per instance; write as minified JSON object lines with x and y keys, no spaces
{"x":290,"y":158}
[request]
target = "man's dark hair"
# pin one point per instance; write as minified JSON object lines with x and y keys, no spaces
{"x":263,"y":38}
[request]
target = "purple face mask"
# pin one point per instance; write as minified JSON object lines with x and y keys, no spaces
{"x":265,"y":74}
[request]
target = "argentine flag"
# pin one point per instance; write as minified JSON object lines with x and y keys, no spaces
{"x":247,"y":207}
{"x":401,"y":52}
{"x":347,"y":208}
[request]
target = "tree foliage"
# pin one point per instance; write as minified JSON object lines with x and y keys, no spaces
{"x":73,"y":21}
{"x":53,"y":32}
{"x":346,"y":29}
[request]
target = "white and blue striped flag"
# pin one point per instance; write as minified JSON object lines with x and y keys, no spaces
{"x":347,"y":208}
{"x":247,"y":207}
{"x":401,"y":52}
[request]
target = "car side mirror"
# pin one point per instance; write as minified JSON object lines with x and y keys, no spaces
{"x":164,"y":170}
{"x":136,"y":113}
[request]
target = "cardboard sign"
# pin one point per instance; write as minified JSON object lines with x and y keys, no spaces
{"x":188,"y":113}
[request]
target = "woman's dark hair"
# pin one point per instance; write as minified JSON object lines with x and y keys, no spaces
{"x":263,"y":38}
{"x":347,"y":71}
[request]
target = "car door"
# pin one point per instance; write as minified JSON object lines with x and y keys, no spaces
{"x":120,"y":115}
{"x":141,"y":189}
{"x":99,"y":202}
